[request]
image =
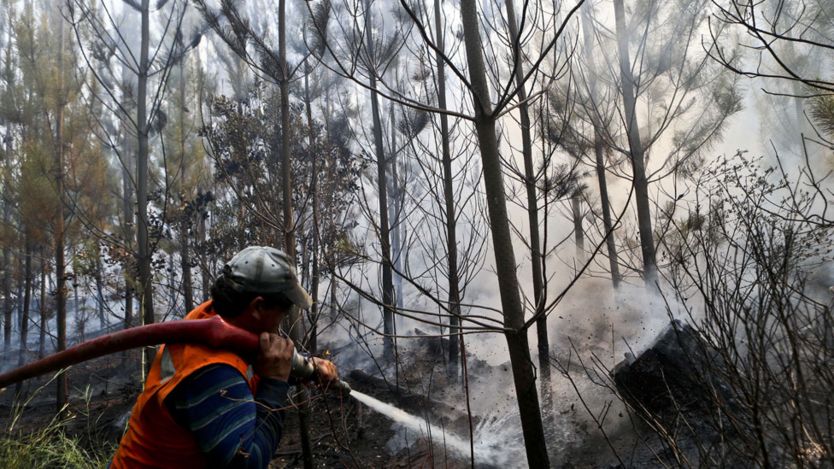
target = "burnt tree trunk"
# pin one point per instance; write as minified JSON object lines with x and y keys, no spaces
{"x":42,"y":312}
{"x":188,"y":218}
{"x":7,"y":274}
{"x":384,"y":226}
{"x":102,"y":320}
{"x":7,"y":262}
{"x":185,"y":265}
{"x":641,"y":185}
{"x":296,"y":324}
{"x":578,"y":230}
{"x":599,"y":154}
{"x":312,"y":343}
{"x":455,"y":338}
{"x":60,"y":274}
{"x":524,"y":376}
{"x":127,"y":231}
{"x":143,"y":128}
{"x":24,"y":317}
{"x":530,"y":179}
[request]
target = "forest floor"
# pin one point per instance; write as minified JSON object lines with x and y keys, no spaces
{"x":344,"y":433}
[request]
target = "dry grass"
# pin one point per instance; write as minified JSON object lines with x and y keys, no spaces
{"x":57,"y":444}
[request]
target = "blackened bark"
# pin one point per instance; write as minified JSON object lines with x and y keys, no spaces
{"x":599,"y":155}
{"x":24,"y":318}
{"x":205,"y":275}
{"x":102,"y":320}
{"x":42,"y":310}
{"x":7,"y":274}
{"x":578,"y":231}
{"x":532,"y":204}
{"x":641,"y":185}
{"x":384,"y":227}
{"x":127,"y":232}
{"x":524,"y":375}
{"x":296,"y":323}
{"x":185,"y":232}
{"x":185,"y":258}
{"x":60,"y":291}
{"x":455,"y":338}
{"x":144,"y":254}
{"x":312,"y":343}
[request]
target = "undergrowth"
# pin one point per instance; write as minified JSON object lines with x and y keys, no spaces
{"x":50,"y":447}
{"x":54,"y":445}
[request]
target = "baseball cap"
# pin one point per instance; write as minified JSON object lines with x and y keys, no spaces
{"x":264,"y":269}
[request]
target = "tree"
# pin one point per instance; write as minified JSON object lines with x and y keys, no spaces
{"x":773,"y":31}
{"x":344,"y":56}
{"x":674,"y":103}
{"x":186,"y":169}
{"x":99,"y":37}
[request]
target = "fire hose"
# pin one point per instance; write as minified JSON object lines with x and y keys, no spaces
{"x":214,"y":333}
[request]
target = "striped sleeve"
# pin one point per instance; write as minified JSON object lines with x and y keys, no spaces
{"x":232,"y":427}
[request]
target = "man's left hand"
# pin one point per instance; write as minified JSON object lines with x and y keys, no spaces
{"x":326,"y":371}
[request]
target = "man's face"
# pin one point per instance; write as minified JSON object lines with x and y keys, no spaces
{"x":268,"y":317}
{"x":272,"y":319}
{"x":260,"y":316}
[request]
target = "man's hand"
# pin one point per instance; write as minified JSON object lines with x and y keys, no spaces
{"x":326,"y":371}
{"x":275,"y":359}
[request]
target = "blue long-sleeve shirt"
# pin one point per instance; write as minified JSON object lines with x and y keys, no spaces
{"x":233,"y":428}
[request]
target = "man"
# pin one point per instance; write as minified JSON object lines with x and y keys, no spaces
{"x":203,"y":407}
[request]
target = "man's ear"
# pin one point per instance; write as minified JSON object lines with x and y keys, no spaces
{"x":256,"y":306}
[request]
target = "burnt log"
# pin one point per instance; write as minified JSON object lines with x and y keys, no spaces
{"x":679,"y":373}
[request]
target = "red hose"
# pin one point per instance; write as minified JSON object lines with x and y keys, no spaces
{"x":215,"y":333}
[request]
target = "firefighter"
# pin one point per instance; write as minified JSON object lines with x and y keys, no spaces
{"x":204,"y":407}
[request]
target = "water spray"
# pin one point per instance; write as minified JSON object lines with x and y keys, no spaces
{"x":214,"y":333}
{"x":454,"y":442}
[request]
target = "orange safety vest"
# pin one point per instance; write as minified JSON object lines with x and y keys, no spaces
{"x":153,"y":439}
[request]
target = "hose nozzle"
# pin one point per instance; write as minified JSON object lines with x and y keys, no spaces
{"x":304,"y":369}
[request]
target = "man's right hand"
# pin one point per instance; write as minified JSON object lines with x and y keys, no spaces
{"x":275,"y":359}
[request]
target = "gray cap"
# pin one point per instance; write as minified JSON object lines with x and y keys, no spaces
{"x":264,"y":269}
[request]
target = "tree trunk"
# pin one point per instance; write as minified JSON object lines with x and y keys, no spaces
{"x":24,"y":318}
{"x":599,"y":153}
{"x":394,"y":210}
{"x":455,"y":337}
{"x":578,"y":231}
{"x":296,"y":324}
{"x":524,"y":375}
{"x":102,"y":319}
{"x":530,"y":180}
{"x":312,"y":344}
{"x":127,"y":232}
{"x":185,"y":258}
{"x":60,"y":291}
{"x":172,"y":289}
{"x":20,"y":281}
{"x":142,"y":156}
{"x":384,"y":227}
{"x":205,"y":275}
{"x":42,"y":310}
{"x":80,"y":319}
{"x":7,"y":275}
{"x":641,"y":186}
{"x":185,"y":247}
